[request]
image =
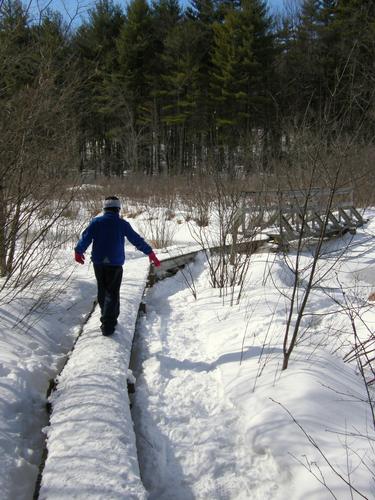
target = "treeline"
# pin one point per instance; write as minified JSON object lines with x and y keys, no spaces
{"x":155,"y":87}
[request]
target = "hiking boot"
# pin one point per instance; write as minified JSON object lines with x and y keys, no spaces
{"x":107,"y":331}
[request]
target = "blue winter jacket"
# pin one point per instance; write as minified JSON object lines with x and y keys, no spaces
{"x":107,"y":234}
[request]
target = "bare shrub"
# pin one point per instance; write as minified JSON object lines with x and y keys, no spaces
{"x":156,"y":227}
{"x":314,"y":174}
{"x":38,"y":140}
{"x":142,"y":188}
{"x":347,"y":478}
{"x":220,"y":198}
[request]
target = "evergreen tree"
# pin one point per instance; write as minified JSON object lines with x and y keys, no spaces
{"x":166,"y":15}
{"x":17,"y":54}
{"x":229,"y":58}
{"x":308,"y":62}
{"x":136,"y":58}
{"x":95,"y":49}
{"x":204,"y":13}
{"x":179,"y":98}
{"x":134,"y":80}
{"x":242,"y":58}
{"x":51,"y":38}
{"x":320,"y":63}
{"x":355,"y":22}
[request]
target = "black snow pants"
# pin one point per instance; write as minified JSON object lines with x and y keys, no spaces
{"x":109,"y":281}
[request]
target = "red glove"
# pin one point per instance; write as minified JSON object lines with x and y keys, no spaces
{"x":79,"y":258}
{"x":154,"y":259}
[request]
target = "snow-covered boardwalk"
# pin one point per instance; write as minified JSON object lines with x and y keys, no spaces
{"x":91,"y":444}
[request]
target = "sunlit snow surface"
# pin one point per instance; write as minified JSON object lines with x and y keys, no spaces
{"x":210,"y":424}
{"x":211,"y":427}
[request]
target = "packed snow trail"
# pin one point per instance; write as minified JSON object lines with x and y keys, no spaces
{"x":189,"y":441}
{"x":91,"y":444}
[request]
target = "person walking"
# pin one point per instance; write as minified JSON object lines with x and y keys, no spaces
{"x":107,"y":234}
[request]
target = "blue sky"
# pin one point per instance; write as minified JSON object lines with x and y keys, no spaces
{"x":69,"y":7}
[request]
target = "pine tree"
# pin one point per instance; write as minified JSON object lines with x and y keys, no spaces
{"x":242,"y":58}
{"x":227,"y":61}
{"x":17,"y":55}
{"x":134,"y":78}
{"x":308,"y":62}
{"x":95,"y":48}
{"x":320,"y":62}
{"x":166,"y":15}
{"x":355,"y":23}
{"x":51,"y":38}
{"x":181,"y":62}
{"x":204,"y":13}
{"x":135,"y":56}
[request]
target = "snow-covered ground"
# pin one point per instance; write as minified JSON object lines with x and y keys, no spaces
{"x":208,"y":409}
{"x":215,"y":416}
{"x":33,"y":349}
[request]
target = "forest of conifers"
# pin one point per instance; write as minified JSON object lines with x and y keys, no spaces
{"x":164,"y":87}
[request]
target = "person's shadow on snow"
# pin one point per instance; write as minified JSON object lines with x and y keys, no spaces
{"x":169,"y":363}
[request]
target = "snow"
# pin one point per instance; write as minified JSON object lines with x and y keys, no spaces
{"x":215,"y":417}
{"x":32,"y":352}
{"x":91,"y":445}
{"x":211,"y":426}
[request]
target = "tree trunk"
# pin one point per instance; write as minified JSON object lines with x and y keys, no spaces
{"x":2,"y":233}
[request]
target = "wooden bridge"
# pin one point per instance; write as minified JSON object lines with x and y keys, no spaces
{"x":287,"y":215}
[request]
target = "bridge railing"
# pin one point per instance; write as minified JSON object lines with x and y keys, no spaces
{"x":284,"y":214}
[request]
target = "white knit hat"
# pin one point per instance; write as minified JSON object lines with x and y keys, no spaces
{"x":112,"y":203}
